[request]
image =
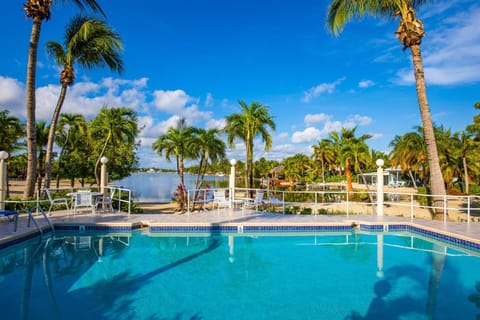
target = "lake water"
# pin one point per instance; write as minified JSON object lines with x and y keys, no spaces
{"x":159,"y":187}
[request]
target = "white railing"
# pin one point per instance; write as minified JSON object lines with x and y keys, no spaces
{"x":118,"y":195}
{"x":413,"y":205}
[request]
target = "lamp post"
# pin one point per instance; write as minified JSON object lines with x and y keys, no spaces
{"x":380,"y":164}
{"x":103,"y":179}
{"x":3,"y":178}
{"x":233,"y":162}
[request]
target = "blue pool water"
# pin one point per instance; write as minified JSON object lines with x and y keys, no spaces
{"x":238,"y":276}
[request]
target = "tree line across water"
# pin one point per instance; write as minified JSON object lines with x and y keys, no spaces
{"x":340,"y":157}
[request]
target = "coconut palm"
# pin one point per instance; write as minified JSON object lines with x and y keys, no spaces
{"x":210,"y":149}
{"x":410,"y":33}
{"x":69,"y":125}
{"x":409,"y":152}
{"x":11,"y":130}
{"x":467,"y":147}
{"x":253,"y":121}
{"x":38,"y":11}
{"x":178,"y":142}
{"x":113,"y":128}
{"x":89,"y":42}
{"x":41,"y":137}
{"x":347,"y":150}
{"x":324,"y":153}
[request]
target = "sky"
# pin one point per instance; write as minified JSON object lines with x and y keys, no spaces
{"x":197,"y":59}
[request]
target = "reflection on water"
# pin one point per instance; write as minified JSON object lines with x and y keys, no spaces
{"x":159,"y":187}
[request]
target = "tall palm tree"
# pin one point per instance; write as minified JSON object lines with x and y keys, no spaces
{"x":253,"y":121}
{"x":89,"y":42}
{"x":111,"y":128}
{"x":69,"y":125}
{"x":324,"y":153}
{"x":38,"y":11}
{"x":178,"y":142}
{"x":410,"y":33}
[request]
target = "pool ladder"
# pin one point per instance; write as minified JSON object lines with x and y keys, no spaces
{"x":32,"y":218}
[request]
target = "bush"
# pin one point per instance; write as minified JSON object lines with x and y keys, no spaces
{"x":306,"y":211}
{"x":424,"y":200}
{"x":322,"y":211}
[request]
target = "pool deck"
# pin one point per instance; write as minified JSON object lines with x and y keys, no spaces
{"x":229,"y":217}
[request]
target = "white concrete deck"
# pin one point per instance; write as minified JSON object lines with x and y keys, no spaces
{"x":463,"y":230}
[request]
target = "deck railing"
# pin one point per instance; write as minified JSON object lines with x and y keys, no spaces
{"x":121,"y":197}
{"x":412,"y":205}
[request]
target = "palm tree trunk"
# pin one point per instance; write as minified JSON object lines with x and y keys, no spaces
{"x":465,"y":172}
{"x":51,"y":136}
{"x":30,"y":110}
{"x":412,"y":178}
{"x":348,"y":175}
{"x":436,"y":177}
{"x":97,"y":163}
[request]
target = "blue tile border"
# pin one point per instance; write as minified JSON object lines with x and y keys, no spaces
{"x":373,"y":227}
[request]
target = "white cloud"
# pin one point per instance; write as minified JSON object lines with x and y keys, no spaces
{"x":365,"y":84}
{"x":215,"y":124}
{"x":315,"y":118}
{"x":171,"y":101}
{"x":209,"y":100}
{"x":308,"y":135}
{"x":12,"y":96}
{"x":376,"y":136}
{"x":361,"y":120}
{"x":316,"y":91}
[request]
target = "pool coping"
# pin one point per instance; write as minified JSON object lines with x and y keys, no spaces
{"x":432,"y":233}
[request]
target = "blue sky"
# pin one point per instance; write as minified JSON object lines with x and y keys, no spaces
{"x":196,"y":59}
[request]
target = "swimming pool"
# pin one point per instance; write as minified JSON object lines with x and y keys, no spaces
{"x":336,"y":275}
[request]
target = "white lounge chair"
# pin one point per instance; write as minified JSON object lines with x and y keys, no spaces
{"x":220,"y":199}
{"x":258,"y":200}
{"x":55,"y":201}
{"x":83,"y":199}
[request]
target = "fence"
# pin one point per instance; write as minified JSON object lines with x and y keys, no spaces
{"x":413,"y":205}
{"x":121,"y":198}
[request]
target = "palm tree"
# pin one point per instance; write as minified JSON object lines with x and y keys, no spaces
{"x":324,"y":153}
{"x":41,"y":137}
{"x":112,"y":128}
{"x":38,"y":11}
{"x":178,"y":142}
{"x":253,"y":121}
{"x":210,"y":149}
{"x":11,"y":130}
{"x":410,"y":33}
{"x":409,"y":152}
{"x":88,"y":42}
{"x":69,"y":125}
{"x":348,"y":148}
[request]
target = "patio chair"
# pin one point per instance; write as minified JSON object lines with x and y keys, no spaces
{"x":105,"y":201}
{"x":258,"y":200}
{"x":55,"y":201}
{"x":220,"y":199}
{"x":83,"y":199}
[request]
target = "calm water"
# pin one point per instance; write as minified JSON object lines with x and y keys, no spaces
{"x":159,"y":187}
{"x":238,"y":276}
